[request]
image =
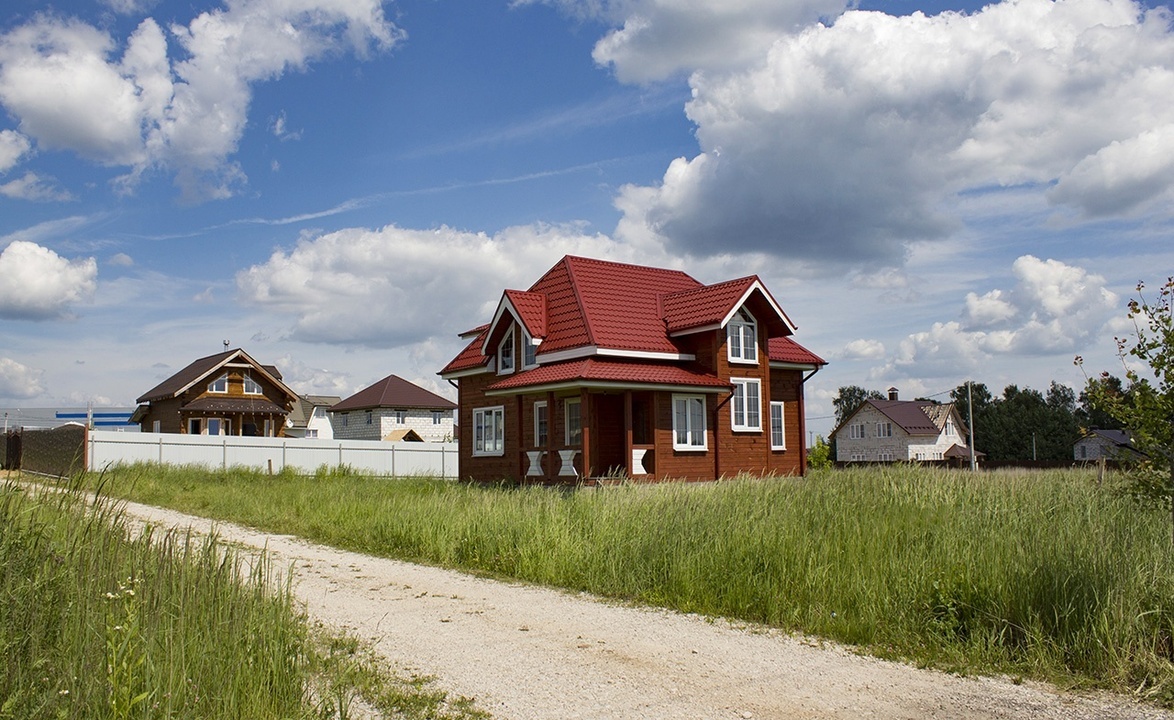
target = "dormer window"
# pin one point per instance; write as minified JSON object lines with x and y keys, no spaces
{"x":505,"y":354}
{"x":219,"y":385}
{"x":252,"y":387}
{"x":742,"y":338}
{"x":529,"y":352}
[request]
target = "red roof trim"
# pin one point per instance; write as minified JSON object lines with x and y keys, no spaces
{"x":597,"y":370}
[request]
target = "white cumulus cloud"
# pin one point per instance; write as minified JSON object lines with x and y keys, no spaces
{"x":863,"y":349}
{"x":19,"y":381}
{"x":13,"y":146}
{"x":32,"y":186}
{"x":396,"y":287}
{"x":851,"y":140}
{"x":72,"y":86}
{"x":39,"y":284}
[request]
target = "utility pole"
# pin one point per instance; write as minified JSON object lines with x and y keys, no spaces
{"x":970,"y":423}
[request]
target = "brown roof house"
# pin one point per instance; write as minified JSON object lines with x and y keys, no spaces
{"x":606,"y":369}
{"x":390,"y":406}
{"x":229,"y":393}
{"x":895,"y":430}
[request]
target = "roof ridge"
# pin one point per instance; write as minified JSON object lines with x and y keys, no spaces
{"x":579,"y":297}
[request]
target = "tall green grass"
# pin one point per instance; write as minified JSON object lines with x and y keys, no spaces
{"x":100,"y":622}
{"x":1039,"y":574}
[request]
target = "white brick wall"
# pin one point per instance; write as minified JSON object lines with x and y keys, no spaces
{"x":355,"y":426}
{"x":901,"y":446}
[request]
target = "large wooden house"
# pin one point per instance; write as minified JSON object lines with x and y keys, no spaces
{"x":607,"y":369}
{"x":229,"y":393}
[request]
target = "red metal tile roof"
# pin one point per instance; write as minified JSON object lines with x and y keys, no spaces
{"x":706,"y":305}
{"x":600,"y":370}
{"x":470,"y":358}
{"x":531,"y":309}
{"x":608,"y":305}
{"x":784,"y":349}
{"x":394,"y":392}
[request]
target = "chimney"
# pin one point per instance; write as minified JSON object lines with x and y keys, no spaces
{"x":892,"y":393}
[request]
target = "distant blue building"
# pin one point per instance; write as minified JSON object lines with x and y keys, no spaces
{"x":98,"y":418}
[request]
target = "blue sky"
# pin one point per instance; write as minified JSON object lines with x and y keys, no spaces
{"x":932,"y":191}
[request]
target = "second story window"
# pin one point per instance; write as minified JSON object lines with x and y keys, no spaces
{"x":742,"y":338}
{"x":884,"y":429}
{"x":401,"y":416}
{"x":529,"y":352}
{"x":252,"y":387}
{"x":219,"y":385}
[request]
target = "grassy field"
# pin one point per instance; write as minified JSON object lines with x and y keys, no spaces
{"x":97,"y":622}
{"x":1034,"y":574}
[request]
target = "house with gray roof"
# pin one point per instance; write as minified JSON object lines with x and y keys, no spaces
{"x":310,"y":417}
{"x":896,"y":430}
{"x":390,"y":406}
{"x":1098,"y":444}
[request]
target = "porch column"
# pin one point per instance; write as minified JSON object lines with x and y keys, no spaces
{"x":549,"y":471}
{"x":585,"y":423}
{"x":628,"y":432}
{"x":519,"y":452}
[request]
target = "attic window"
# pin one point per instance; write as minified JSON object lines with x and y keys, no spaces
{"x":529,"y":352}
{"x":505,"y":354}
{"x":742,"y":338}
{"x":219,"y":385}
{"x":252,"y":387}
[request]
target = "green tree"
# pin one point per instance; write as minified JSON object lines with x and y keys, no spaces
{"x":849,"y":397}
{"x":1090,"y":416}
{"x":819,"y":455}
{"x":1147,"y":410}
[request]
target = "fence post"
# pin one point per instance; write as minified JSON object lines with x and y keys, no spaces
{"x":393,"y":460}
{"x":283,"y":442}
{"x":160,"y":448}
{"x":224,"y":454}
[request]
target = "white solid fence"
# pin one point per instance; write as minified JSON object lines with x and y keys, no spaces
{"x":304,"y":455}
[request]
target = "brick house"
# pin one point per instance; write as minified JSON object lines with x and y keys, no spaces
{"x":606,"y":369}
{"x":390,"y":406}
{"x":229,"y":393}
{"x":896,"y":430}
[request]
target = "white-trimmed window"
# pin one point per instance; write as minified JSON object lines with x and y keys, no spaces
{"x":437,"y":416}
{"x":252,"y":387}
{"x":541,"y":424}
{"x":367,"y":418}
{"x":884,"y":429}
{"x":857,"y":431}
{"x":156,"y":424}
{"x":742,"y":338}
{"x":489,"y":431}
{"x":505,"y":353}
{"x":950,"y":428}
{"x":885,"y":456}
{"x":746,"y":407}
{"x":778,"y":431}
{"x":219,"y":385}
{"x":311,"y":432}
{"x":400,"y":416}
{"x":573,"y":422}
{"x":689,"y":422}
{"x":529,"y":352}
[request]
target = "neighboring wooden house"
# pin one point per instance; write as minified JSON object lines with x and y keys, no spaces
{"x":393,"y":404}
{"x":605,"y":369}
{"x":895,"y":430}
{"x":229,"y":393}
{"x":310,"y":417}
{"x":1097,"y":444}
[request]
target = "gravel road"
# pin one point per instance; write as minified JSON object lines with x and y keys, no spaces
{"x":531,"y":653}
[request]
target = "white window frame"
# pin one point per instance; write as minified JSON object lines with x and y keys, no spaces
{"x":742,"y":338}
{"x":252,"y":387}
{"x":857,"y":431}
{"x":489,"y":422}
{"x":437,"y":416}
{"x":884,"y":429}
{"x":222,"y":380}
{"x":400,"y":417}
{"x":157,"y":424}
{"x":311,"y":433}
{"x":505,"y":360}
{"x":696,"y":439}
{"x":529,"y":352}
{"x":575,"y":438}
{"x":541,"y":405}
{"x":778,"y":425}
{"x":744,"y":417}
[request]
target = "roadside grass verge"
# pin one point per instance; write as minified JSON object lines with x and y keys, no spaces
{"x":100,"y":622}
{"x":1032,"y":574}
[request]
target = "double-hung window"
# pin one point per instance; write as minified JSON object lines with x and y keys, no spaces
{"x":529,"y":352}
{"x":689,"y":422}
{"x":505,"y":354}
{"x":742,"y":338}
{"x":778,"y":433}
{"x":489,"y":431}
{"x":573,"y":422}
{"x":746,"y":406}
